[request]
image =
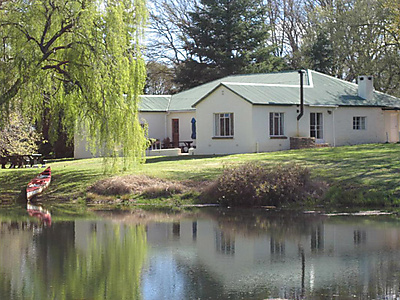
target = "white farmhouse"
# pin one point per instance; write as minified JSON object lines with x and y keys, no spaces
{"x":262,"y":112}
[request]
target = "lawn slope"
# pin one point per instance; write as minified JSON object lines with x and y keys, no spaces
{"x":362,"y":174}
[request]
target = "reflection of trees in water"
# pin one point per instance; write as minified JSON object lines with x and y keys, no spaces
{"x":15,"y":241}
{"x":51,"y":267}
{"x":280,"y":224}
{"x":17,"y":226}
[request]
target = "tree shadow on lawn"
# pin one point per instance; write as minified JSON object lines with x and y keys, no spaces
{"x":64,"y":183}
{"x":150,"y":160}
{"x":72,"y":183}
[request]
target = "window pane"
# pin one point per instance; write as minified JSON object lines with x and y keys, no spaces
{"x":271,"y":124}
{"x":359,"y":123}
{"x":223,"y":124}
{"x":231,"y":127}
{"x":312,"y":119}
{"x":276,"y":125}
{"x":216,"y":122}
{"x":227,"y":127}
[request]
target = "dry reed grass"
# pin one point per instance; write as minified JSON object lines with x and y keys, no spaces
{"x":139,"y":184}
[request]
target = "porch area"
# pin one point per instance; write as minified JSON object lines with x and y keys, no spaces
{"x":168,"y":148}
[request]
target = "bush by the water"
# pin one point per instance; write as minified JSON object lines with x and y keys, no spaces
{"x":252,"y":184}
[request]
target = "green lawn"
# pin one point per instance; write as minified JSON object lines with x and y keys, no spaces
{"x":373,"y":169}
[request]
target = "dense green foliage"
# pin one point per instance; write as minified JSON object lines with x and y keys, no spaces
{"x":222,"y":38}
{"x":353,"y":38}
{"x":225,"y":37}
{"x":79,"y":61}
{"x":343,"y":38}
{"x":18,"y":137}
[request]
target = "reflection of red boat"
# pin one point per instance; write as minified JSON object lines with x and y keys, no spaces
{"x":39,"y":212}
{"x":38,"y":184}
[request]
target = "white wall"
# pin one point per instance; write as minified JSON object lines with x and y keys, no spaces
{"x":251,"y":123}
{"x":223,"y":100}
{"x":81,"y":146}
{"x":261,"y":127}
{"x":346,"y":135}
{"x":392,"y":126}
{"x":337,"y":125}
{"x":185,"y":125}
{"x":156,"y":124}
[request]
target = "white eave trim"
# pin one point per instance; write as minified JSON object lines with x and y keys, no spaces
{"x":181,"y":110}
{"x":323,"y":105}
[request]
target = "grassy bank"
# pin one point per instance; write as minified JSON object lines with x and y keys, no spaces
{"x":364,"y":175}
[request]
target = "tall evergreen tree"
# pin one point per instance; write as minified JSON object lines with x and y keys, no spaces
{"x":320,"y":54}
{"x":226,"y":37}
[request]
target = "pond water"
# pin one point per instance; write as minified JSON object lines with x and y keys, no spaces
{"x":208,"y":254}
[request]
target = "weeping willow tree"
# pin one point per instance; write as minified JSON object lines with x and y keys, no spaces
{"x":80,"y":59}
{"x":393,"y":15}
{"x":18,"y":137}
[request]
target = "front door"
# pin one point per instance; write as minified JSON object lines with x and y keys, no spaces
{"x":316,"y":127}
{"x":394,"y":128}
{"x":175,"y":133}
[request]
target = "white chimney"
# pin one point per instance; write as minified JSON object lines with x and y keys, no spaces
{"x":365,"y":87}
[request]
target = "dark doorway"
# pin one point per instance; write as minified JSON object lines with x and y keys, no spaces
{"x":175,"y":133}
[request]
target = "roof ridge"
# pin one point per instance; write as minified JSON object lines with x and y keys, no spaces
{"x":155,"y":96}
{"x":264,"y":73}
{"x":267,"y":84}
{"x":333,"y":77}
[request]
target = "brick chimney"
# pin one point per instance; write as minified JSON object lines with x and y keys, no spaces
{"x":365,"y":87}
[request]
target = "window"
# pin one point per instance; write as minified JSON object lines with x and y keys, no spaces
{"x":276,"y":124}
{"x":316,"y":125}
{"x":359,"y":123}
{"x":223,"y":125}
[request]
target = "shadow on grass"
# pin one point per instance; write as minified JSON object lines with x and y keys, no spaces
{"x":68,"y":184}
{"x":150,"y":160}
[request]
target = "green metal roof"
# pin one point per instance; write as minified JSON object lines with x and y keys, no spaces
{"x":150,"y":103}
{"x":283,"y":89}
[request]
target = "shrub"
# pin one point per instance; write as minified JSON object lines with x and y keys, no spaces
{"x":252,"y":184}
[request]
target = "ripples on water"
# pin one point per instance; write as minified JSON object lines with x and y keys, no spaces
{"x":209,"y":254}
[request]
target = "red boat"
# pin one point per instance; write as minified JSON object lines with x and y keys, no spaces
{"x":38,"y":184}
{"x":40,"y":213}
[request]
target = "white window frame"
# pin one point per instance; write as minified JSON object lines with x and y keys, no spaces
{"x":223,"y":125}
{"x":276,"y":124}
{"x":317,"y":129}
{"x":359,"y":123}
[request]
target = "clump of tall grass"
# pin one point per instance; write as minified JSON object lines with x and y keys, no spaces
{"x":253,"y":184}
{"x":136,"y":184}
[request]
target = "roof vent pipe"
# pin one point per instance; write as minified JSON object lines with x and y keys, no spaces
{"x":301,"y":72}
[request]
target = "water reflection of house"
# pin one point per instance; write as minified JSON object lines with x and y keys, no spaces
{"x":331,"y":251}
{"x":327,"y":253}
